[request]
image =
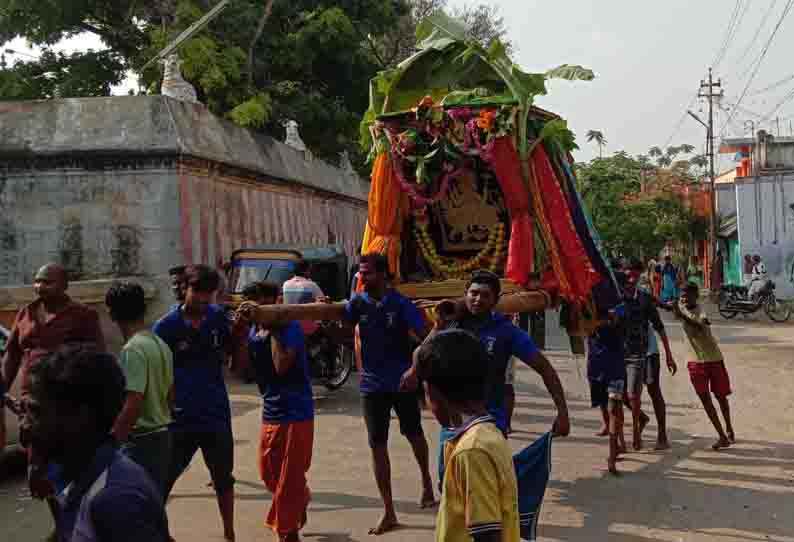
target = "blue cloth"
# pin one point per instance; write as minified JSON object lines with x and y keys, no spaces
{"x":605,"y":355}
{"x":113,"y":499}
{"x":202,"y":401}
{"x":287,"y":398}
{"x":533,"y":469}
{"x":501,"y":340}
{"x":386,"y":344}
{"x":669,"y":283}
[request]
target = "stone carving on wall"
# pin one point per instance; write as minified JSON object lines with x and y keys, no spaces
{"x":174,"y":85}
{"x":293,"y":138}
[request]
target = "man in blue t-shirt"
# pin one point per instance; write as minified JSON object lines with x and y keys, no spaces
{"x":389,"y":325}
{"x":74,"y":396}
{"x":501,"y":340}
{"x":278,"y":358}
{"x":200,"y":336}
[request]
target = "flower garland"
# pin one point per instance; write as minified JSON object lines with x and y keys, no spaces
{"x":495,"y":245}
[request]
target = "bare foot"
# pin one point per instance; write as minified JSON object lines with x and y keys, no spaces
{"x":731,"y":437}
{"x":229,"y":536}
{"x":637,"y":441}
{"x":612,"y":467}
{"x":428,"y":500}
{"x":722,"y":443}
{"x":385,"y":525}
{"x":662,"y":444}
{"x":622,"y":448}
{"x":603,"y":432}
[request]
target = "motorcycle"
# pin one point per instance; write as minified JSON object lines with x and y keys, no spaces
{"x":735,"y":300}
{"x":331,"y":355}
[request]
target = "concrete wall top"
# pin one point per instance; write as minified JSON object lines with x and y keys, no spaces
{"x":162,"y":125}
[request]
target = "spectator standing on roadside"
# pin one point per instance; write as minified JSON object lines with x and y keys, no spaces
{"x":142,"y":427}
{"x":73,"y":398}
{"x":40,"y":328}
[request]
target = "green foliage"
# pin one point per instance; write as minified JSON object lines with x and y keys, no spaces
{"x":628,"y":224}
{"x":312,"y":62}
{"x":571,"y":73}
{"x":60,"y":75}
{"x":556,"y":133}
{"x":254,"y":112}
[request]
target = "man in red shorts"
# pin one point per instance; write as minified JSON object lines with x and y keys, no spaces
{"x":706,"y":366}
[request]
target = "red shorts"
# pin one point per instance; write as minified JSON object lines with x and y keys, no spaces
{"x":710,"y":376}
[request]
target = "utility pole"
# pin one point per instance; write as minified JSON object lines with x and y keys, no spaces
{"x":707,"y":91}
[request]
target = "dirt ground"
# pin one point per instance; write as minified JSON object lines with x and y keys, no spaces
{"x":688,"y":494}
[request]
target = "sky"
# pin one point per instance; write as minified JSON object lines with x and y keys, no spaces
{"x":649,"y":58}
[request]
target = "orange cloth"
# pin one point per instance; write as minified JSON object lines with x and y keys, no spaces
{"x":388,"y":206}
{"x":285,"y":455}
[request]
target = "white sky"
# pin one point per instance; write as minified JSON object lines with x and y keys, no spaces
{"x":649,"y":58}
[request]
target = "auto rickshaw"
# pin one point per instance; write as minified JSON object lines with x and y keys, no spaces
{"x":330,"y":350}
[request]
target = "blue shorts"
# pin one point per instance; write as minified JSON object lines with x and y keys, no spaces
{"x":602,"y":392}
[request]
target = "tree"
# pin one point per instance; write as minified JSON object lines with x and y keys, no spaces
{"x":484,"y":24}
{"x":598,"y":137}
{"x":305,"y":60}
{"x":628,"y":223}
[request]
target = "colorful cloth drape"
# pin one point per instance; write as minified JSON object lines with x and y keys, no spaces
{"x":387,"y":210}
{"x":567,"y":253}
{"x":521,"y":251}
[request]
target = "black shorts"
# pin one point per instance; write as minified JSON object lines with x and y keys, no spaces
{"x":377,"y":408}
{"x":217,"y":448}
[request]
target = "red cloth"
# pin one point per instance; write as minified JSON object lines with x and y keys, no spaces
{"x":521,"y":251}
{"x":76,"y":323}
{"x":577,"y":268}
{"x":285,"y":455}
{"x":710,"y":375}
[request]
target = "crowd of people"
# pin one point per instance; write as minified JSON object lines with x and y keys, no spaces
{"x":624,"y":359}
{"x":108,"y":437}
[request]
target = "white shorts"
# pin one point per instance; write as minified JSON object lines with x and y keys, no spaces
{"x":510,"y":374}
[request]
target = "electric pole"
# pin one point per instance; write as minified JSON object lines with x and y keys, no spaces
{"x":707,"y":91}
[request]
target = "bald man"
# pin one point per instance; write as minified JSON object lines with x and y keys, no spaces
{"x":51,"y":321}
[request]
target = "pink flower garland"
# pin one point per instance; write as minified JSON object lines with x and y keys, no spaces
{"x":410,"y":188}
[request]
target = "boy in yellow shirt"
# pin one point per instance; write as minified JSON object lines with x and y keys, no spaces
{"x":706,"y":364}
{"x":480,"y":495}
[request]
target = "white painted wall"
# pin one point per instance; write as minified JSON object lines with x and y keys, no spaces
{"x":766,"y":225}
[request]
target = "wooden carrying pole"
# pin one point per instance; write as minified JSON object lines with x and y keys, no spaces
{"x":278,"y":315}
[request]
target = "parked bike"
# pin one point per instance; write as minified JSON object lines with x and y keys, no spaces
{"x":330,"y":353}
{"x":735,"y":300}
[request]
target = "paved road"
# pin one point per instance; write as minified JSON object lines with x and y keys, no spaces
{"x":688,"y":494}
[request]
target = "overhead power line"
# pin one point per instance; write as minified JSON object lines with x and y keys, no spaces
{"x":773,"y":86}
{"x":726,"y":42}
{"x":760,"y":61}
{"x":721,"y":51}
{"x":757,"y":32}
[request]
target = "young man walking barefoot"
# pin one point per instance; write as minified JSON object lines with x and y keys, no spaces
{"x":706,"y":366}
{"x":387,"y":323}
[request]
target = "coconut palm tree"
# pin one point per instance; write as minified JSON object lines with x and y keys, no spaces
{"x":654,"y":152}
{"x":664,"y":161}
{"x":598,"y":137}
{"x":686,"y":148}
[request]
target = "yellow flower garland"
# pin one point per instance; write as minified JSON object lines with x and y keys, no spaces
{"x":495,"y":245}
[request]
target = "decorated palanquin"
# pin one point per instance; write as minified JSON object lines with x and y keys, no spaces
{"x":467,"y":174}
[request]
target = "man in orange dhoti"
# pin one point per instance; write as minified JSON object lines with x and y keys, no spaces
{"x":278,"y":357}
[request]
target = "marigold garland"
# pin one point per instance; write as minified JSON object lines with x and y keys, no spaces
{"x":442,"y":267}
